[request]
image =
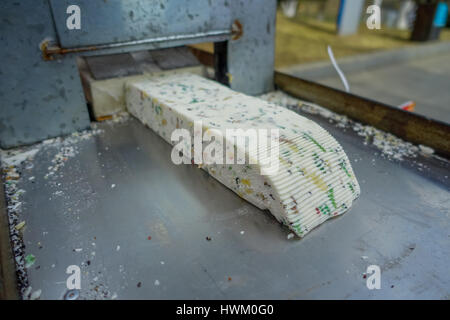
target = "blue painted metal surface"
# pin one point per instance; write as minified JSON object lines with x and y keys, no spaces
{"x":38,"y":99}
{"x":115,"y":21}
{"x":251,"y":57}
{"x":43,"y":99}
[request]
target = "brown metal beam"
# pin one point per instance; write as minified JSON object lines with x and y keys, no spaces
{"x":406,"y":125}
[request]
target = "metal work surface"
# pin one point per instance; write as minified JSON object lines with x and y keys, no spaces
{"x":141,"y":223}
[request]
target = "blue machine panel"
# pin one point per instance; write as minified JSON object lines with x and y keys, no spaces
{"x":38,"y":99}
{"x":112,"y":21}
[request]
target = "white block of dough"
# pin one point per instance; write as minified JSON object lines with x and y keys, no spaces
{"x":315,"y":180}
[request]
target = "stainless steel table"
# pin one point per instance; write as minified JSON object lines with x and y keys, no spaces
{"x":141,"y":223}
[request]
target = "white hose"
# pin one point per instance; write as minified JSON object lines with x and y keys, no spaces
{"x":339,"y":71}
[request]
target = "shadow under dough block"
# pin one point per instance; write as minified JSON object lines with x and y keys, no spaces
{"x":314,"y":181}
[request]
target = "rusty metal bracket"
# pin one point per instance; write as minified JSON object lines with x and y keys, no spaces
{"x":49,"y":50}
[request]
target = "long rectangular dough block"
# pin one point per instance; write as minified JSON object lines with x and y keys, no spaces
{"x":314,"y":182}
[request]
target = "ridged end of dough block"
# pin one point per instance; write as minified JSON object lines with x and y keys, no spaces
{"x":314,"y":181}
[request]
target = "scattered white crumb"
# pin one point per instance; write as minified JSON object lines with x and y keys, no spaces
{"x":16,"y":157}
{"x":156,"y":282}
{"x":27,"y":293}
{"x":113,"y":185}
{"x":425,"y":149}
{"x":290,"y":236}
{"x":36,"y":295}
{"x":66,"y":147}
